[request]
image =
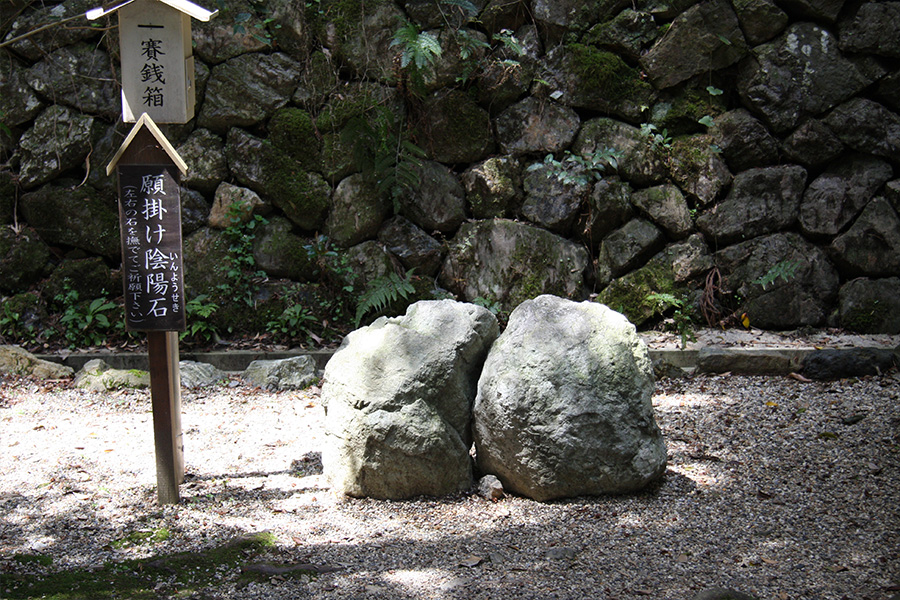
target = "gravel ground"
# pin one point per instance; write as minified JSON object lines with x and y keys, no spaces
{"x":776,"y":487}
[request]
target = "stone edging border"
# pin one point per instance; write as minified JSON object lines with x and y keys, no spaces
{"x":819,"y":364}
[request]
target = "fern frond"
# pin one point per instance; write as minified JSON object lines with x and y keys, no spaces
{"x":381,"y":292}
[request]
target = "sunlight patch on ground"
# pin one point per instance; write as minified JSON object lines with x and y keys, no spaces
{"x":416,"y":580}
{"x":666,"y":402}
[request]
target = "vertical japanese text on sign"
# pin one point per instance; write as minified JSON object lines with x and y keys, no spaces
{"x":157,"y":66}
{"x":150,"y":215}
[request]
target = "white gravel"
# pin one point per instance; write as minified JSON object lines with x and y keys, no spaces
{"x":775,"y":487}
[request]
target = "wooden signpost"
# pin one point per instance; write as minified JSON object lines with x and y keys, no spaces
{"x":149,"y":170}
{"x":157,"y":84}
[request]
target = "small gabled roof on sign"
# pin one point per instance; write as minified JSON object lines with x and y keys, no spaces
{"x":146,"y":121}
{"x":189,"y":8}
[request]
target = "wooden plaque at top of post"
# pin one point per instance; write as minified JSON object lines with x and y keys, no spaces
{"x":157,"y":65}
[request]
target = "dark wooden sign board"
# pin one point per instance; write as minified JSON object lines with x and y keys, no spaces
{"x":150,"y":213}
{"x":150,"y":222}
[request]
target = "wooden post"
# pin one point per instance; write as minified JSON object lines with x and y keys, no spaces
{"x":153,"y":277}
{"x":165,"y":391}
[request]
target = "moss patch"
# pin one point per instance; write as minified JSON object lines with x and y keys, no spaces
{"x":140,"y":538}
{"x":629,"y":295}
{"x":291,"y":131}
{"x":866,"y":318}
{"x":606,"y":73}
{"x":184,"y":573}
{"x":304,"y":197}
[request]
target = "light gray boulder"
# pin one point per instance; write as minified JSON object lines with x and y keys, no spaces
{"x":572,"y":417}
{"x":17,"y":361}
{"x":295,"y":373}
{"x":97,"y":376}
{"x":195,"y":374}
{"x":398,"y":397}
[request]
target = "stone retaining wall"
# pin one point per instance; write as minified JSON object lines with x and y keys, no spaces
{"x":755,"y":146}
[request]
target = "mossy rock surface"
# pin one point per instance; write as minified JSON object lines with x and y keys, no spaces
{"x":303,"y":196}
{"x":282,"y":253}
{"x":508,"y":262}
{"x":24,"y":259}
{"x":598,"y":80}
{"x":630,"y":293}
{"x":205,"y":259}
{"x":74,"y":216}
{"x":90,"y":278}
{"x":292,"y":131}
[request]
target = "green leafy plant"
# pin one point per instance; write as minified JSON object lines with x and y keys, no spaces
{"x":197,"y":312}
{"x":4,"y":129}
{"x":242,"y":277}
{"x":261,"y":14}
{"x":292,"y":322}
{"x":578,"y":169}
{"x":682,"y":315}
{"x":335,"y":299}
{"x":384,"y":150}
{"x":786,"y":270}
{"x":84,"y":323}
{"x":12,"y":328}
{"x":491,"y":305}
{"x":418,"y":49}
{"x":381,"y":292}
{"x":658,"y":139}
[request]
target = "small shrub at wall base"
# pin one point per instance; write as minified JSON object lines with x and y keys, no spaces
{"x":197,"y":313}
{"x":87,"y":323}
{"x":293,"y":323}
{"x":682,"y":315}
